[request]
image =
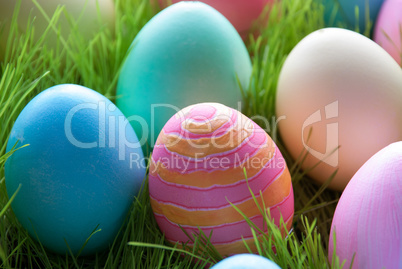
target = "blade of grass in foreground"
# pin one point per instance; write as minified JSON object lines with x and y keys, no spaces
{"x":33,"y":67}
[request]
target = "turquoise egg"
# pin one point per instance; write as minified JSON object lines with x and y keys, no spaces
{"x":246,"y":261}
{"x":343,"y":12}
{"x":80,"y":172}
{"x":188,"y":53}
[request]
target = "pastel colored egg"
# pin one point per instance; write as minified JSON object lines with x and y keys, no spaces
{"x":347,"y":91}
{"x":197,"y":171}
{"x":187,"y":53}
{"x":242,"y":14}
{"x":79,"y":173}
{"x":246,"y":261}
{"x":368,"y":217}
{"x":388,"y":30}
{"x":344,"y":12}
{"x":89,"y":15}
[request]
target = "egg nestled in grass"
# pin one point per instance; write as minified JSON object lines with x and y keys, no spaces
{"x":339,"y":96}
{"x":79,"y":173}
{"x":246,"y":261}
{"x":368,"y":217}
{"x":188,"y":53}
{"x":197,"y":171}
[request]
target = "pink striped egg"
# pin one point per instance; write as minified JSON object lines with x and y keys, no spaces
{"x":368,"y":218}
{"x":197,"y":170}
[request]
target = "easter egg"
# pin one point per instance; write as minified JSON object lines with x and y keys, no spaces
{"x":246,"y":261}
{"x":368,"y":217}
{"x":242,"y":14}
{"x":344,"y":12}
{"x":187,"y":53}
{"x":89,"y":15}
{"x":197,"y":171}
{"x":388,"y":29}
{"x":339,"y":99}
{"x":79,"y":173}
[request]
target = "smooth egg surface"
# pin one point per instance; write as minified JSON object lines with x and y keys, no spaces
{"x":368,"y":217}
{"x":79,"y":172}
{"x":388,"y":29}
{"x":347,"y":91}
{"x":242,"y":14}
{"x":187,"y":53}
{"x":246,"y":261}
{"x":197,"y":171}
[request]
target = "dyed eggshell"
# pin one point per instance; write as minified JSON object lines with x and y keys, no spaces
{"x":77,"y":174}
{"x":388,"y":30}
{"x":242,"y":14}
{"x":344,"y":12}
{"x":368,"y":216}
{"x":348,"y":91}
{"x":83,"y":12}
{"x":196,"y":169}
{"x":246,"y":261}
{"x":187,"y":53}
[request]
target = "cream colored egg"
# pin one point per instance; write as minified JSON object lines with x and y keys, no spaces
{"x":348,"y":91}
{"x":89,"y":16}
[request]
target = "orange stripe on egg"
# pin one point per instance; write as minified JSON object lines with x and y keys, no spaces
{"x":239,"y":246}
{"x":194,"y":123}
{"x":206,"y":179}
{"x":231,"y":248}
{"x":203,"y":127}
{"x":274,"y":194}
{"x":202,"y":147}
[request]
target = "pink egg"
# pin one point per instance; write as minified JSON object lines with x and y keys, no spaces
{"x":388,"y":29}
{"x":197,"y":171}
{"x":241,"y":13}
{"x":368,"y":217}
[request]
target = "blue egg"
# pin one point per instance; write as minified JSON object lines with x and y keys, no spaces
{"x":344,"y":12}
{"x":246,"y":261}
{"x":80,"y":172}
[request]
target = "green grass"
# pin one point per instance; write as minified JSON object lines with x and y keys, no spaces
{"x":30,"y":67}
